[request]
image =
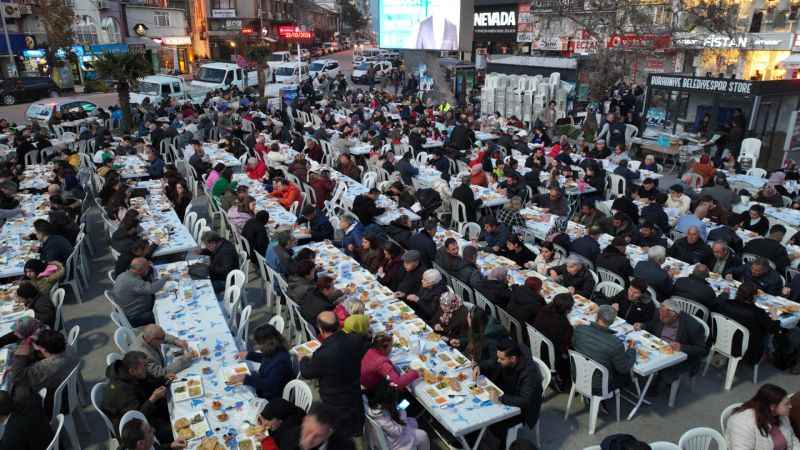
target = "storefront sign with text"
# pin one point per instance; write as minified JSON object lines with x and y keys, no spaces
{"x":718,"y":85}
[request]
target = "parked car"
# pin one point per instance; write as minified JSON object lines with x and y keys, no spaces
{"x":70,"y":109}
{"x":291,"y":73}
{"x":14,"y":90}
{"x":382,"y":69}
{"x":316,"y":52}
{"x":330,"y":47}
{"x":328,"y":67}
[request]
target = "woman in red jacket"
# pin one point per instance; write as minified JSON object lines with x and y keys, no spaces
{"x":256,"y":168}
{"x":375,"y":365}
{"x":287,"y":192}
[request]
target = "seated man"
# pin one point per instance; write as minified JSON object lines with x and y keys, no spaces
{"x":574,"y":276}
{"x":286,"y":192}
{"x":318,"y":224}
{"x":725,"y":259}
{"x":134,"y":293}
{"x":149,"y":342}
{"x":320,"y":429}
{"x":694,"y":220}
{"x":494,"y":234}
{"x":353,"y":233}
{"x":696,"y":288}
{"x":26,"y":426}
{"x":691,"y":249}
{"x":760,"y":273}
{"x":411,"y":282}
{"x":447,"y":256}
{"x":223,"y":258}
{"x":683,"y":333}
{"x":553,"y":202}
{"x":652,"y":272}
{"x":521,"y":382}
{"x":495,"y":287}
{"x":131,"y":388}
{"x":771,"y":248}
{"x":599,"y":342}
{"x":139,"y":435}
{"x":46,"y":367}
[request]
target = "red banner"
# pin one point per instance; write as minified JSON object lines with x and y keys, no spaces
{"x":632,"y":40}
{"x":294,"y":34}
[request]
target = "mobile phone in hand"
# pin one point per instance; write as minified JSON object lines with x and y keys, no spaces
{"x":403,"y":404}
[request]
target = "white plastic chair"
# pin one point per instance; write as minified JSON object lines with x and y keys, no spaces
{"x":663,"y":445}
{"x":73,"y":404}
{"x":124,"y":338}
{"x":511,"y":324}
{"x":675,"y":385}
{"x":607,"y":275}
{"x":723,"y":344}
{"x":458,"y":213}
{"x":237,"y":278}
{"x":369,"y":179}
{"x":113,"y":357}
{"x":230,"y":302}
{"x":695,"y":180}
{"x":298,"y":392}
{"x":471,"y":230}
{"x":244,"y":326}
{"x":594,"y":447}
{"x":692,"y":308}
{"x":584,"y":369}
{"x":608,"y":288}
{"x":59,"y":425}
{"x":757,"y":172}
{"x":618,"y":185}
{"x":751,"y":149}
{"x":537,"y":340}
{"x":131,"y":415}
{"x":484,"y":304}
{"x":98,"y":390}
{"x":57,"y":297}
{"x":701,"y":439}
{"x":278,"y":322}
{"x":72,"y":337}
{"x":727,"y":412}
{"x":462,"y":290}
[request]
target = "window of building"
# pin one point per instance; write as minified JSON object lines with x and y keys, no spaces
{"x":111,"y":26}
{"x":86,"y":31}
{"x":161,"y":19}
{"x":223,"y":4}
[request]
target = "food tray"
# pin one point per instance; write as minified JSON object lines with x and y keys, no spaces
{"x":197,"y":428}
{"x":306,"y":349}
{"x":187,"y":388}
{"x":228,"y":372}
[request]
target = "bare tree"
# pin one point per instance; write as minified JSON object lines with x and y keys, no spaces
{"x":57,"y":20}
{"x":626,"y":31}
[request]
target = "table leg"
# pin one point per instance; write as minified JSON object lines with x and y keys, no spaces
{"x":642,"y":393}
{"x":465,"y":444}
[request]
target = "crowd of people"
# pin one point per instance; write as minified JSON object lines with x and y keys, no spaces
{"x":352,"y":364}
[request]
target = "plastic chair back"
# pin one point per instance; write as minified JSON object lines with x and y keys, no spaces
{"x":113,"y":357}
{"x":471,"y":229}
{"x":727,"y":412}
{"x":608,"y":288}
{"x":131,"y":415}
{"x":375,"y":436}
{"x":59,"y":421}
{"x":244,"y":325}
{"x":124,"y":338}
{"x":484,"y":304}
{"x":583,"y":372}
{"x":511,"y":324}
{"x":537,"y":340}
{"x":692,"y":307}
{"x":278,"y":322}
{"x":547,"y":375}
{"x":57,"y":297}
{"x":299,"y":393}
{"x":237,"y":278}
{"x":607,"y":275}
{"x":462,"y":290}
{"x":663,"y":445}
{"x":70,"y":384}
{"x":726,"y":329}
{"x":98,"y":390}
{"x":701,"y":439}
{"x":230,"y":302}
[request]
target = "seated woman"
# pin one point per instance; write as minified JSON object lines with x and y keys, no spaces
{"x":547,"y":258}
{"x":754,"y":220}
{"x":43,"y":274}
{"x":553,"y":322}
{"x":275,"y":368}
{"x":450,"y":320}
{"x":278,"y":418}
{"x":649,"y":163}
{"x":426,"y":301}
{"x":376,"y":365}
{"x":769,"y":195}
{"x":743,"y":310}
{"x":762,"y":422}
{"x":241,"y":212}
{"x":401,"y":431}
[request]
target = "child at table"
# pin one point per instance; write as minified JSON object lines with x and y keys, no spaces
{"x":402,"y":432}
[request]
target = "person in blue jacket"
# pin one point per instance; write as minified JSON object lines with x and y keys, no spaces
{"x":276,"y":366}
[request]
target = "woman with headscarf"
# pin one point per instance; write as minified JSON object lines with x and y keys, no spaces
{"x":24,"y":332}
{"x":778,"y":180}
{"x":450,"y":320}
{"x":526,"y":300}
{"x":376,"y":365}
{"x":426,"y":301}
{"x":43,"y":275}
{"x":769,"y":194}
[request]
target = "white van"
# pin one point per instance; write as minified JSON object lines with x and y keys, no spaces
{"x":156,"y":87}
{"x":291,"y":72}
{"x":219,"y":75}
{"x":367,"y":54}
{"x":278,"y":58}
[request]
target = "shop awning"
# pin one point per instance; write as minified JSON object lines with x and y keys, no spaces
{"x":792,"y":61}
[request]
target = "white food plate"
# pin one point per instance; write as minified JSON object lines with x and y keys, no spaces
{"x":182,"y":390}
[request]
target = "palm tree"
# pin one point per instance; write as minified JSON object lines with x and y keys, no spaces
{"x":259,"y":55}
{"x":124,"y":69}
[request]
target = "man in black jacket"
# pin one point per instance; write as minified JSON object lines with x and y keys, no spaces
{"x":521,"y":382}
{"x":321,"y":428}
{"x":198,"y":160}
{"x":317,"y":300}
{"x":653,"y":274}
{"x":318,"y":224}
{"x":696,"y":288}
{"x":412,"y":278}
{"x":587,"y":246}
{"x":574,"y":276}
{"x":495,"y":287}
{"x":725,"y":259}
{"x":615,"y":260}
{"x":771,"y":248}
{"x":255,"y":232}
{"x":691,"y":249}
{"x":469,"y":272}
{"x":400,"y":230}
{"x":26,"y":426}
{"x":222,"y":258}
{"x":337,"y":366}
{"x":364,"y":207}
{"x":447,"y":256}
{"x":423,"y":243}
{"x":648,"y":236}
{"x":130,"y":388}
{"x":458,"y":137}
{"x":683,"y":333}
{"x":52,"y":246}
{"x":464,"y":194}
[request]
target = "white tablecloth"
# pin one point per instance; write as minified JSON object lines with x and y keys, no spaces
{"x":17,"y":250}
{"x":160,"y":222}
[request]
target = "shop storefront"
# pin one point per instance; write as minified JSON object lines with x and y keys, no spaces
{"x":749,"y":56}
{"x":175,"y":54}
{"x":676,"y":105}
{"x":495,"y":28}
